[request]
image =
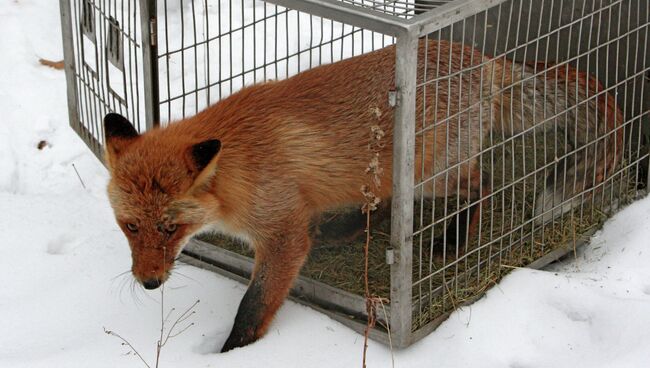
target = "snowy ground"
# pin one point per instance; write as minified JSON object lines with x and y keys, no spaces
{"x":61,"y":255}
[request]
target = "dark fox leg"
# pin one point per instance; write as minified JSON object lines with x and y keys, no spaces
{"x":347,"y":226}
{"x":476,"y":210}
{"x":456,"y":231}
{"x":277,"y":264}
{"x":464,"y":226}
{"x":338,"y":227}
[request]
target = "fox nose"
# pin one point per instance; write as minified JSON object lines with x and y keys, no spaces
{"x":151,"y":284}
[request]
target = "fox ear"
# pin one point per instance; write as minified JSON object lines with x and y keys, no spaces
{"x":204,"y":157}
{"x":119,"y":134}
{"x":204,"y":152}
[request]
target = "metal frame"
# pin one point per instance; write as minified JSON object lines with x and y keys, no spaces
{"x":71,"y":83}
{"x":378,"y":21}
{"x":68,"y":55}
{"x":149,"y":26}
{"x":91,"y":93}
{"x":401,"y":232}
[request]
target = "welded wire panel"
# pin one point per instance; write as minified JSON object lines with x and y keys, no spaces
{"x":210,"y":49}
{"x":108,"y":66}
{"x":528,"y":135}
{"x":399,"y":8}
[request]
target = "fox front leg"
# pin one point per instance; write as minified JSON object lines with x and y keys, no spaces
{"x":277,"y":264}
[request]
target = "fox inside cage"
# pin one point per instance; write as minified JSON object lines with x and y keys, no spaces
{"x":486,"y":135}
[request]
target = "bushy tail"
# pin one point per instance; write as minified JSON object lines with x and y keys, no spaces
{"x":572,"y":103}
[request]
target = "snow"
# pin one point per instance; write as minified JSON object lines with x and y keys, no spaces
{"x":62,"y":263}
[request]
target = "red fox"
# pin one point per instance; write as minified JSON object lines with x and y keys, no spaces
{"x":263,"y":162}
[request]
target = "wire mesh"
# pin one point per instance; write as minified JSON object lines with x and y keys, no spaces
{"x":401,"y":9}
{"x":528,"y":125}
{"x":208,"y":49}
{"x":108,"y":60}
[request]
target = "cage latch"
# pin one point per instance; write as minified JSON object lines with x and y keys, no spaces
{"x":114,"y":44}
{"x":390,"y":256}
{"x":88,"y":20}
{"x":392,"y":98}
{"x":153,"y":31}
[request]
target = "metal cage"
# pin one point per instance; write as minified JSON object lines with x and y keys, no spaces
{"x":158,"y":61}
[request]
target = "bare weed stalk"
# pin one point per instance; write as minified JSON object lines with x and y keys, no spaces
{"x":165,"y":335}
{"x":374,"y":170}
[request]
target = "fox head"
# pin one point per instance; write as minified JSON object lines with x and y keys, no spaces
{"x":157,"y":180}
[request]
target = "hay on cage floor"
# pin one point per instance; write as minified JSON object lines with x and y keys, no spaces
{"x":508,"y":238}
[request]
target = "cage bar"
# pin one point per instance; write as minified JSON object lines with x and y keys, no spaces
{"x":402,"y":202}
{"x":149,"y":26}
{"x":69,"y":62}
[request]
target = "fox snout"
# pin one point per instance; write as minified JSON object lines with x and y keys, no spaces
{"x":151,"y":284}
{"x":150,"y":278}
{"x":150,"y":268}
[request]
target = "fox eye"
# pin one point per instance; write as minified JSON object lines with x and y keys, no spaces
{"x":170,"y":228}
{"x":132,"y":227}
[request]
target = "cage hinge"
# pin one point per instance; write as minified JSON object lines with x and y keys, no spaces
{"x":390,"y":256}
{"x":153,"y":31}
{"x":393,"y":98}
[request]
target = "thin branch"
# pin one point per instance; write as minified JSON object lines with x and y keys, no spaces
{"x":162,"y":321}
{"x":127,"y":343}
{"x":390,"y":338}
{"x":184,"y":316}
{"x":371,"y":319}
{"x":180,"y":332}
{"x":162,"y":340}
{"x":169,"y":315}
{"x":374,"y":170}
{"x":79,"y":176}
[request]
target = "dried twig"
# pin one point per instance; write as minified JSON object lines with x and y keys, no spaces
{"x":58,"y":65}
{"x":125,"y":342}
{"x":375,"y":171}
{"x":162,"y":322}
{"x":573,"y":238}
{"x":390,"y":338}
{"x":182,"y":318}
{"x":164,"y":337}
{"x":79,"y":176}
{"x":370,"y":308}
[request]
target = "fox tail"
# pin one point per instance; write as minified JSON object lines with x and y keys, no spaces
{"x":573,"y":103}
